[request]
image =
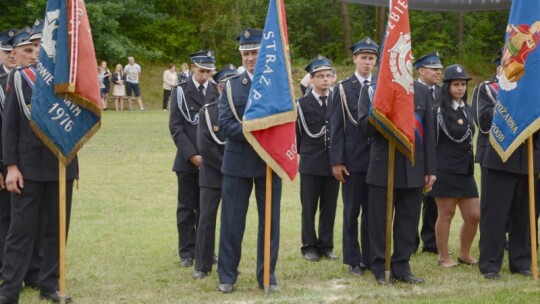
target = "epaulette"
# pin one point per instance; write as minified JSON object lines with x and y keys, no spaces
{"x":3,"y":75}
{"x":215,"y":102}
{"x":344,"y":80}
{"x":235,"y":76}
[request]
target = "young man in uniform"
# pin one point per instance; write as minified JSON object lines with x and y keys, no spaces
{"x":242,"y":169}
{"x":187,"y":99}
{"x":32,"y":179}
{"x":210,"y":143}
{"x":429,"y":71}
{"x":317,"y":185}
{"x":349,"y":154}
{"x":409,"y":182}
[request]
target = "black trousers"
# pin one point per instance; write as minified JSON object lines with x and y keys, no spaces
{"x":234,"y":205}
{"x":166,"y":97}
{"x":429,"y":218}
{"x":355,"y":197}
{"x":5,"y":220}
{"x":187,"y":213}
{"x":206,"y":229}
{"x":405,"y":228}
{"x":318,"y":192}
{"x":37,"y":199}
{"x":504,"y":200}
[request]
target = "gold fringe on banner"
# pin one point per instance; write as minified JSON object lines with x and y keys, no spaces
{"x":520,"y":139}
{"x":66,"y":91}
{"x":401,"y":142}
{"x":61,"y":157}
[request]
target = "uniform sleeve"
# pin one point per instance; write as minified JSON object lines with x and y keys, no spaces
{"x":178,"y":131}
{"x":10,"y":123}
{"x":482,"y":107}
{"x":430,"y":144}
{"x":206,"y":145}
{"x":337,"y":130}
{"x":228,"y":124}
{"x":364,"y":106}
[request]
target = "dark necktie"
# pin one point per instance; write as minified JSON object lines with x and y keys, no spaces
{"x":365,"y":82}
{"x":432,"y":91}
{"x":461,"y":110}
{"x":323,"y":102}
{"x":201,"y":89}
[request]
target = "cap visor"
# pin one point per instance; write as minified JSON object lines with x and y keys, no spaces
{"x":206,"y":66}
{"x":433,"y":66}
{"x":249,"y":47}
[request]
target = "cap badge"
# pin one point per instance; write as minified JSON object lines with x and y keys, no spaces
{"x":459,"y":70}
{"x":368,"y":41}
{"x":209,"y":54}
{"x":247,"y":34}
{"x":231,"y":67}
{"x":11,"y":33}
{"x":36,"y":23}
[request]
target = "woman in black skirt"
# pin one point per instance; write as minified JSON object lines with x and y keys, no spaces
{"x":455,"y":167}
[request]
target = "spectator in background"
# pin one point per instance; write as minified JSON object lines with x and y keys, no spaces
{"x":101,"y":86}
{"x":170,"y":79}
{"x":185,"y":73}
{"x":119,"y":89}
{"x":133,"y":73}
{"x":106,"y":79}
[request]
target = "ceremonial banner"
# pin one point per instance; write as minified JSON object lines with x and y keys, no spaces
{"x":270,"y":115}
{"x":517,"y":112}
{"x":392,"y":112}
{"x":66,"y":101}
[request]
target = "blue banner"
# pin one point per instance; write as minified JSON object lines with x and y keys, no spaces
{"x":61,"y":124}
{"x":517,"y":112}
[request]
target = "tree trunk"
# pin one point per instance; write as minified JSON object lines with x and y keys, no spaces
{"x":346,"y":28}
{"x":381,"y":23}
{"x":461,"y":22}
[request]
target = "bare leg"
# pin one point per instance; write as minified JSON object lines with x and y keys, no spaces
{"x":139,"y":100}
{"x":446,"y":208}
{"x":130,"y":103}
{"x":121,"y":103}
{"x":105,"y":98}
{"x":470,"y":212}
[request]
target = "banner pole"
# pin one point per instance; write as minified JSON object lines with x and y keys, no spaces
{"x":389,"y":209}
{"x":62,"y":223}
{"x":532,"y":212}
{"x":267,"y":230}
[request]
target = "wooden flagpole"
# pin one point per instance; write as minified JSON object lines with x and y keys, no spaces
{"x":532,"y":213}
{"x":389,"y":208}
{"x":267,"y":230}
{"x":62,"y":223}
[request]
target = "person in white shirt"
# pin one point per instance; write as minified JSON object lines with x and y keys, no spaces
{"x":170,"y":79}
{"x":133,"y":73}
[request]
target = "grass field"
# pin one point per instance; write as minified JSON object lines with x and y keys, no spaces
{"x":122,"y":244}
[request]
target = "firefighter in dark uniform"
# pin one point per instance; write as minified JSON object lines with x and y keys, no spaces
{"x":242,"y":169}
{"x":349,"y":154}
{"x":8,"y":62}
{"x":210,"y":143}
{"x":317,"y":185}
{"x":409,"y":182}
{"x":32,"y":179}
{"x":187,"y":99}
{"x":504,"y":187}
{"x":429,"y":71}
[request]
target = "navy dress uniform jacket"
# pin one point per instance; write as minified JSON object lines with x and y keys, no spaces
{"x":315,"y":159}
{"x":406,"y":174}
{"x":483,"y":101}
{"x":209,"y":149}
{"x":347,"y":146}
{"x":21,"y":146}
{"x":184,"y":133}
{"x":240,"y":159}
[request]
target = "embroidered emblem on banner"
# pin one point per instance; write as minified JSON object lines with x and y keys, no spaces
{"x":401,"y":62}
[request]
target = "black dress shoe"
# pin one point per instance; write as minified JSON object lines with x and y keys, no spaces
{"x":492,"y":276}
{"x":523,"y":272}
{"x":199,"y":275}
{"x":410,"y":279}
{"x":363,"y":266}
{"x":53,"y":296}
{"x":226,"y":288}
{"x":311,"y":256}
{"x":186,"y":262}
{"x":356,"y":270}
{"x":6,"y":300}
{"x":330,"y":255}
{"x":31,"y":285}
